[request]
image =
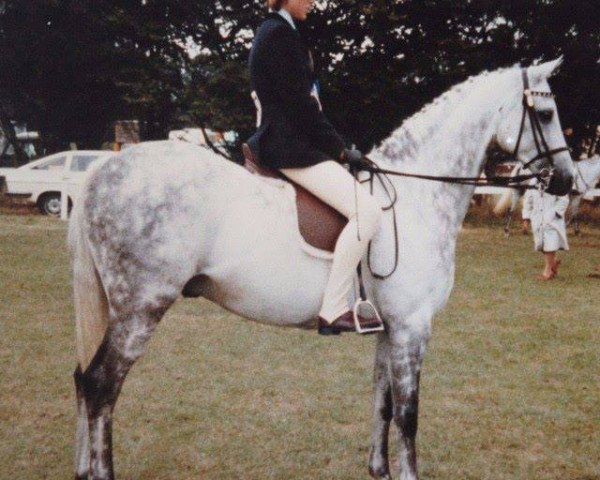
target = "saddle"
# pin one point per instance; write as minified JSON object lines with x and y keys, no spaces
{"x":320,"y":225}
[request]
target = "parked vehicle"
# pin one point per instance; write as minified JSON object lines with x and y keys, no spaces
{"x":42,"y":181}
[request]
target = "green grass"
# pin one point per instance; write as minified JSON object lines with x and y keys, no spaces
{"x":510,"y":387}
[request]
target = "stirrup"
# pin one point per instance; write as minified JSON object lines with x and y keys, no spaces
{"x":365,"y":331}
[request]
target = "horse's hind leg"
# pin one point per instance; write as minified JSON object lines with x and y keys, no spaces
{"x":101,"y":383}
{"x":379,"y":467}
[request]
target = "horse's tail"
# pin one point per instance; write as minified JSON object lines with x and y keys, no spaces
{"x":91,"y":302}
{"x":504,"y":203}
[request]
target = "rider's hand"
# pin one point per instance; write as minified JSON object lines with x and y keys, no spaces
{"x":354,"y":158}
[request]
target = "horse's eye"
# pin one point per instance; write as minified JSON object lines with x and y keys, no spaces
{"x":545,"y":115}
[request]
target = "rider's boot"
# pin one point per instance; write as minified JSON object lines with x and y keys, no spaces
{"x":346,"y":323}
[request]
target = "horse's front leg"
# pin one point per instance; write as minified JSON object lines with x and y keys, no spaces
{"x":408,"y":345}
{"x":379,"y":467}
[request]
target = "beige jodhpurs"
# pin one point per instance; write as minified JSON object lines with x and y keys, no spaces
{"x":333,"y":184}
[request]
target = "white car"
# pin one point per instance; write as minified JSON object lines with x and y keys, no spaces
{"x":42,"y":181}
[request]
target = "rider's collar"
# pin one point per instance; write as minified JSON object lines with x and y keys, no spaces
{"x":288,"y":16}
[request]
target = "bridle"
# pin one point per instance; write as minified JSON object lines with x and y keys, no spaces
{"x":543,"y":151}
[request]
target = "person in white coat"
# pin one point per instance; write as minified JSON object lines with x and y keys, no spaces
{"x":547,"y":216}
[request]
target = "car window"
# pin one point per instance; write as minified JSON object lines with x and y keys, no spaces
{"x":57,"y":163}
{"x":81,"y":163}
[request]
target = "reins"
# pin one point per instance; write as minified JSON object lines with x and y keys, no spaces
{"x":496,"y":181}
{"x":516,"y":182}
{"x":382,"y":175}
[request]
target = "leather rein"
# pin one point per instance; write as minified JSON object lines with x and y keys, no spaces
{"x":543,"y":177}
{"x":543,"y":151}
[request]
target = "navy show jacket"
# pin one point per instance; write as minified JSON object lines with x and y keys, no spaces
{"x":293,"y":132}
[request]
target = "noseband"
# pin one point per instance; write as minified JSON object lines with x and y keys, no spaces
{"x":536,"y":129}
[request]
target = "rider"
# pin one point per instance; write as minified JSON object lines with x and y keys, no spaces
{"x":294,"y":137}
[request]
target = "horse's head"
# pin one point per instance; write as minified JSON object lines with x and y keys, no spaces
{"x":530,"y":130}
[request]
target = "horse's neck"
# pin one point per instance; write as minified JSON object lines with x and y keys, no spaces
{"x":448,"y":138}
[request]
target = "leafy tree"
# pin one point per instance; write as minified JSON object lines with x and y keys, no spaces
{"x":380,"y":61}
{"x":72,"y":67}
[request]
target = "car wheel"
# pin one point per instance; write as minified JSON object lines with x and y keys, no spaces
{"x":50,"y":204}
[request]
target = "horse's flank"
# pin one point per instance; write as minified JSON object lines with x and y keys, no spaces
{"x":189,"y":212}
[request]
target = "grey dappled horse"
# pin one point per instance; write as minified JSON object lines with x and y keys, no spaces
{"x":161,"y":215}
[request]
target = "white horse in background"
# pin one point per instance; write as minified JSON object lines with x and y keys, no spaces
{"x":587,"y":176}
{"x":162,"y":215}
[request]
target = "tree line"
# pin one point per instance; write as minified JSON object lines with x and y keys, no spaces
{"x":70,"y":68}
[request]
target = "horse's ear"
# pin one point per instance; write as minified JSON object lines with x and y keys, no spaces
{"x":546,"y":70}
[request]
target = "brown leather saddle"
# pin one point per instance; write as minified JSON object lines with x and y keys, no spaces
{"x":320,"y":225}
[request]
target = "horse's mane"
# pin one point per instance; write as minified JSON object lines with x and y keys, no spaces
{"x":422,"y":125}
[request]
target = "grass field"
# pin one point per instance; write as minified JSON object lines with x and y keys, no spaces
{"x":510,"y":388}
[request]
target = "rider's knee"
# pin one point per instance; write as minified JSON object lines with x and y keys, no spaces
{"x":370,"y":215}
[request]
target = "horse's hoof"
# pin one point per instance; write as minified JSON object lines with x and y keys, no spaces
{"x":81,"y":477}
{"x":381,"y":477}
{"x":379,"y":474}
